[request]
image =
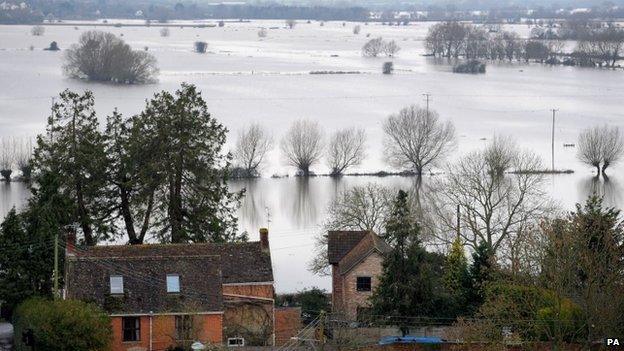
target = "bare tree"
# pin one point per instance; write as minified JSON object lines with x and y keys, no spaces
{"x":200,"y":47}
{"x":291,"y":23}
{"x":499,"y":155}
{"x":7,"y":157}
{"x":390,"y":48}
{"x":262,"y":33}
{"x":600,"y":146}
{"x":373,"y":47}
{"x":102,"y":56}
{"x":416,"y":139}
{"x":302,"y":146}
{"x":251,"y":148}
{"x":37,"y":31}
{"x":356,"y":29}
{"x":164,"y":32}
{"x":494,"y":207}
{"x":23,"y":157}
{"x":346,"y":149}
{"x":359,"y":208}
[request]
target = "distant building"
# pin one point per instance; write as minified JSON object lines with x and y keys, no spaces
{"x":356,"y":259}
{"x":164,"y":295}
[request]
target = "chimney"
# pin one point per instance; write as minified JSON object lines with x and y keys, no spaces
{"x":264,"y":239}
{"x":70,"y":241}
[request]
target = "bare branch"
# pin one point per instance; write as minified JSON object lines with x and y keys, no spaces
{"x":302,"y":146}
{"x":346,"y":149}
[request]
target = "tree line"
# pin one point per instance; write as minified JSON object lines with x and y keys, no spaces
{"x":596,"y":46}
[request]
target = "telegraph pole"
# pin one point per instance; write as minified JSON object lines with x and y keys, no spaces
{"x":554,"y":111}
{"x":458,"y":222}
{"x":427,"y":96}
{"x":56,"y":266}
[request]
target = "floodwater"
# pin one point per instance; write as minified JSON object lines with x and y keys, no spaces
{"x":247,"y":79}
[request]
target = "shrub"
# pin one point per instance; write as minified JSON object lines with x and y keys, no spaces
{"x":291,"y":23}
{"x":100,"y":56}
{"x":388,"y":68}
{"x":164,"y":32}
{"x":53,"y":46}
{"x":69,"y":325}
{"x":37,"y":30}
{"x":221,"y":24}
{"x":356,"y":29}
{"x":472,"y":66}
{"x":262,"y":33}
{"x":201,"y":47}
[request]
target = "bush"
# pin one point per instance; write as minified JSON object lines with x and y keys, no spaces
{"x":201,"y":47}
{"x":103,"y":57}
{"x":37,"y":31}
{"x":221,"y":24}
{"x":472,"y":66}
{"x":68,"y":325}
{"x":164,"y":32}
{"x":356,"y":29}
{"x":53,"y":47}
{"x":262,"y":33}
{"x":388,"y":68}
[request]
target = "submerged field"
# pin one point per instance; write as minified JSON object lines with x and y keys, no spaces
{"x":246,"y":79}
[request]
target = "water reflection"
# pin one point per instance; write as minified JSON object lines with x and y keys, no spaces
{"x":303,"y":203}
{"x":253,"y":206}
{"x":606,"y":187}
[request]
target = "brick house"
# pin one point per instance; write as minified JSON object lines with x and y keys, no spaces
{"x":356,"y":259}
{"x":165,"y":295}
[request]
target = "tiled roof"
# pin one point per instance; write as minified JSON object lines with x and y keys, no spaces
{"x":240,"y":262}
{"x":144,"y":283}
{"x":339,"y":243}
{"x":371,"y":242}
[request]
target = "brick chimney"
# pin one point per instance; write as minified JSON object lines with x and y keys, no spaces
{"x":264,"y":239}
{"x":70,"y":241}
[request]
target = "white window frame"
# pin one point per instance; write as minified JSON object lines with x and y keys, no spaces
{"x":238,"y":338}
{"x":171,"y":287}
{"x":116,"y":289}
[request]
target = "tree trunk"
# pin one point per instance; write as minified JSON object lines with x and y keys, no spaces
{"x":83,"y":216}
{"x":127,"y":216}
{"x":604,"y":168}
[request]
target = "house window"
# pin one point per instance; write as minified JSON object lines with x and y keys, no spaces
{"x":363,"y":284}
{"x":116,"y":284}
{"x":235,"y":342}
{"x":131,"y":328}
{"x":184,"y":327}
{"x":173,"y":283}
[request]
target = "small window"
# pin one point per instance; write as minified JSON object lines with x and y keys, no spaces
{"x":131,"y":328}
{"x":173,"y":283}
{"x":116,"y":284}
{"x":363,"y":284}
{"x":236,"y":342}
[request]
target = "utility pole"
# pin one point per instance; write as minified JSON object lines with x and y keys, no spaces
{"x":56,"y":266}
{"x":268,"y":216}
{"x":458,"y":222}
{"x":554,"y":111}
{"x":427,"y":96}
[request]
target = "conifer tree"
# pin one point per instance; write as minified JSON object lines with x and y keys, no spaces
{"x":456,"y":277}
{"x":405,"y":285}
{"x":482,"y":272}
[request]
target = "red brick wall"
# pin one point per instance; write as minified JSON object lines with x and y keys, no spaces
{"x":287,"y":324}
{"x":336,"y":289}
{"x":264,"y":290}
{"x":351,"y":298}
{"x":163,"y":332}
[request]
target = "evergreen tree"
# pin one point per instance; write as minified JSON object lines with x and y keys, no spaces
{"x":27,"y":242}
{"x":482,"y":272}
{"x":73,"y":150}
{"x":406,"y":284}
{"x":456,"y":278}
{"x":193,"y":199}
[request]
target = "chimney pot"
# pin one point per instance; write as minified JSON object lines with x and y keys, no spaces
{"x":264,"y":239}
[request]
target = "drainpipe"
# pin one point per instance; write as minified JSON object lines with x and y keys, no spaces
{"x":150,"y":338}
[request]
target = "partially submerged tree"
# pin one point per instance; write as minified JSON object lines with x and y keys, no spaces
{"x":291,"y":23}
{"x":373,"y":47}
{"x":100,"y":56}
{"x":164,"y":32}
{"x":302,"y":146}
{"x":262,"y":33}
{"x":601,"y":145}
{"x":24,"y":157}
{"x":201,"y":47}
{"x":417,"y":139}
{"x":356,"y":29}
{"x":252,"y":146}
{"x":346,"y":149}
{"x":37,"y":31}
{"x":8,"y":153}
